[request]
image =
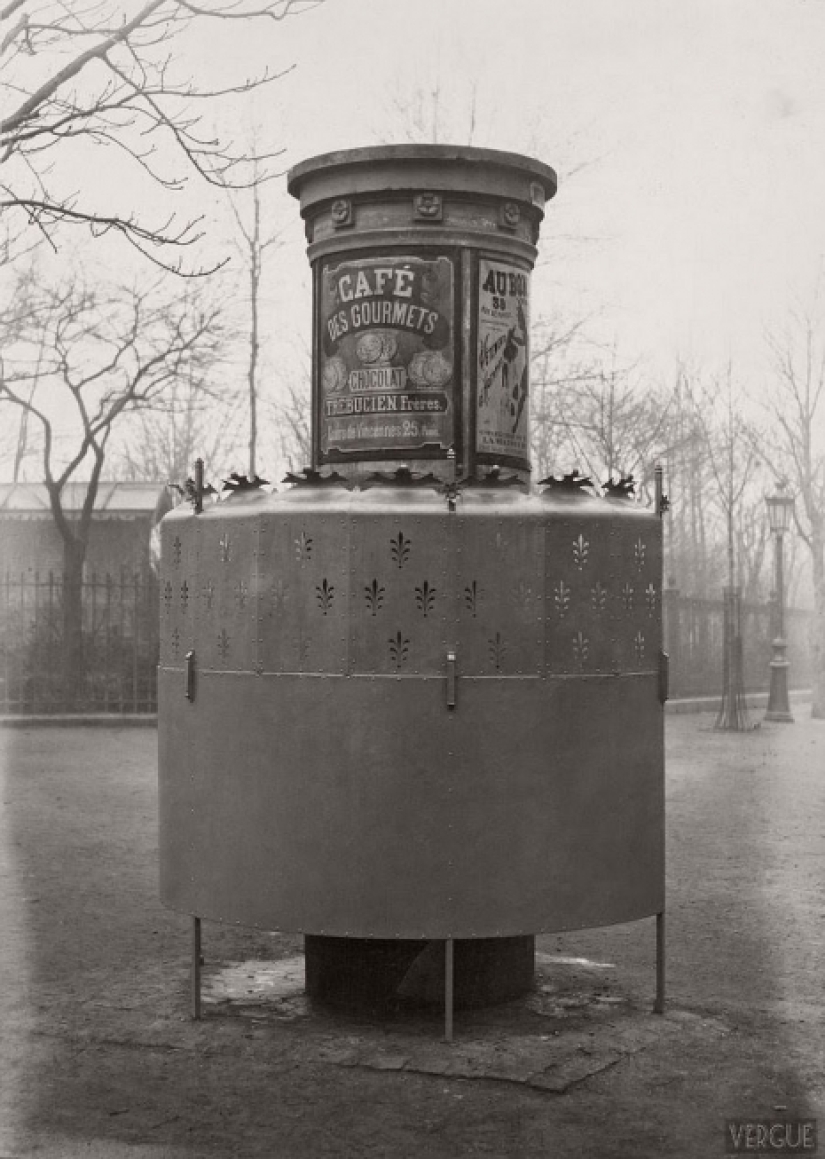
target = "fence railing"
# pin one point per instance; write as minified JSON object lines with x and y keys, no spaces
{"x":120,"y":645}
{"x":694,"y":640}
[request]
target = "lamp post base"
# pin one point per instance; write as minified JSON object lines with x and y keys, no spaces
{"x":779,"y":708}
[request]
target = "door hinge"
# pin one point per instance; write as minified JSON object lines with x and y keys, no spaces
{"x":451,"y":679}
{"x":190,"y":675}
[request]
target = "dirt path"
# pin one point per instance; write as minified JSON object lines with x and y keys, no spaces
{"x":99,"y":1058}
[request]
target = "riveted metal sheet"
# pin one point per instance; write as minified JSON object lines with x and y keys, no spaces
{"x":547,"y":814}
{"x":304,"y":587}
{"x":177,"y":720}
{"x":500,"y":586}
{"x":178,"y":588}
{"x":557,"y":804}
{"x":401,"y":620}
{"x":317,"y":821}
{"x":582,"y":588}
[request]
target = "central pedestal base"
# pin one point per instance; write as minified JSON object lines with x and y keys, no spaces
{"x":376,"y":975}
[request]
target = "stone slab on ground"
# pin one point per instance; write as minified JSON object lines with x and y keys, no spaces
{"x":567,"y":1030}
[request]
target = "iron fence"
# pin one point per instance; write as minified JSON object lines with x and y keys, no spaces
{"x":694,"y":631}
{"x":120,"y":645}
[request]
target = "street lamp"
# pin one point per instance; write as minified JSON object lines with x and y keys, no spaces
{"x":780,"y":509}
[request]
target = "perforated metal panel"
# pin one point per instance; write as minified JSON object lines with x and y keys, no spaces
{"x":178,"y":590}
{"x":304,"y":591}
{"x":401,"y":597}
{"x":637,"y":551}
{"x":500,"y":588}
{"x":583,"y":592}
{"x":602,"y":597}
{"x":225,"y":631}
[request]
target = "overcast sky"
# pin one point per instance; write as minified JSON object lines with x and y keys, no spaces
{"x":688,"y":136}
{"x":701,"y":126}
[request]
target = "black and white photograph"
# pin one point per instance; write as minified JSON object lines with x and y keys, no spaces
{"x":412,"y":579}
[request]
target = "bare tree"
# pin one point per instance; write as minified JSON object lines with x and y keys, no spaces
{"x":197,"y":421}
{"x":85,"y":74}
{"x":110,"y":353}
{"x":292,"y":422}
{"x":733,"y":454}
{"x":596,"y":415}
{"x":733,"y":459}
{"x":255,"y":240}
{"x":438,"y":108}
{"x":558,"y":360}
{"x":798,"y":412}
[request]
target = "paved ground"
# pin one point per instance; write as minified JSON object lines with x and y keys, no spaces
{"x":99,"y":1058}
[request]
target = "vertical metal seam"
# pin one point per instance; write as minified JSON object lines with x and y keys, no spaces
{"x":545,"y":598}
{"x":469,"y":355}
{"x":258,"y":615}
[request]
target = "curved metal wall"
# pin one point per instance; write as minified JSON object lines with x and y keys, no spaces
{"x":320,"y":781}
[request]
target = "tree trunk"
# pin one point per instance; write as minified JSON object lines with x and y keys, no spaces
{"x":818,"y":640}
{"x":74,"y":554}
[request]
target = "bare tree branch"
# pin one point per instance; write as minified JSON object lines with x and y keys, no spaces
{"x":118,"y":87}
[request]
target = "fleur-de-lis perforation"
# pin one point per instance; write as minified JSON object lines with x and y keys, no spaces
{"x":303,"y":547}
{"x":223,"y":644}
{"x":168,"y":595}
{"x":325,"y":594}
{"x":175,"y":642}
{"x":581,"y":552}
{"x":581,"y":648}
{"x":598,"y":598}
{"x":177,"y":551}
{"x":628,"y":596}
{"x":225,"y":545}
{"x":497,"y":651}
{"x":639,"y":647}
{"x":374,"y":595}
{"x":277,"y":597}
{"x":208,"y":595}
{"x":399,"y":649}
{"x":472,"y":594}
{"x":639,"y":551}
{"x":241,"y":594}
{"x":561,"y":598}
{"x":184,"y":595}
{"x":425,"y":598}
{"x":522,"y":594}
{"x":400,"y":548}
{"x":650,"y":599}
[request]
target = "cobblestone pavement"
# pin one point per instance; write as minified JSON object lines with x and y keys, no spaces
{"x":99,"y":1058}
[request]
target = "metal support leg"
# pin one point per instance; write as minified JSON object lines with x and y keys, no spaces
{"x":196,"y":967}
{"x":449,"y":979}
{"x":659,"y":1004}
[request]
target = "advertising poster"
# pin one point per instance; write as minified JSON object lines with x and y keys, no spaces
{"x":503,"y":359}
{"x":387,"y":354}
